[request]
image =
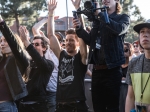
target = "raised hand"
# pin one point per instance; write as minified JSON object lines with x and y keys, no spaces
{"x":42,"y":34}
{"x":24,"y":34}
{"x":52,"y":5}
{"x":76,"y":3}
{"x":76,"y":23}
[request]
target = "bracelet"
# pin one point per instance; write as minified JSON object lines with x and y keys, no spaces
{"x":51,"y":15}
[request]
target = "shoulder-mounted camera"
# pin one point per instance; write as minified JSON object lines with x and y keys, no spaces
{"x":90,"y":9}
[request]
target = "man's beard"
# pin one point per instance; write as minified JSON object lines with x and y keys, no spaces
{"x":69,"y":51}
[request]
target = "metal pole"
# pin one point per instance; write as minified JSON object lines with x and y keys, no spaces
{"x":67,"y":14}
{"x":0,"y":7}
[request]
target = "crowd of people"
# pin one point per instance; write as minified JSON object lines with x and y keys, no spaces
{"x":46,"y":73}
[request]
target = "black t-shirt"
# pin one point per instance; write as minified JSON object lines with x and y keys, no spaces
{"x":70,"y":85}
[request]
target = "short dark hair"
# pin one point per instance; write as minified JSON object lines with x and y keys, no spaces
{"x":58,"y":34}
{"x":71,"y":31}
{"x":44,"y":43}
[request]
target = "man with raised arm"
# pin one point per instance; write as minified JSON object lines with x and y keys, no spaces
{"x":52,"y":84}
{"x":38,"y":78}
{"x":72,"y":67}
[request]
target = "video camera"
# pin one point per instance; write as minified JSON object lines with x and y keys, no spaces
{"x":90,"y":9}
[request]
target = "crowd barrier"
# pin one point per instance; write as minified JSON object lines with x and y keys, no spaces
{"x":123,"y":93}
{"x":88,"y":94}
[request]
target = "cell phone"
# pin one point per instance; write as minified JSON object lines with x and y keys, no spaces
{"x":75,"y":16}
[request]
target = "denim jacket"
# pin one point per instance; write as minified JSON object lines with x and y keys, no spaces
{"x":15,"y":65}
{"x":112,"y":35}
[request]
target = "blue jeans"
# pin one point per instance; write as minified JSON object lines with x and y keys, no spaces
{"x":8,"y":107}
{"x":51,"y":102}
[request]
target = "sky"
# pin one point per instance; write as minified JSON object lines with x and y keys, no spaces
{"x":61,"y":8}
{"x":144,"y":7}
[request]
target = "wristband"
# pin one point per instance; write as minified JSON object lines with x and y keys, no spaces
{"x":51,"y":15}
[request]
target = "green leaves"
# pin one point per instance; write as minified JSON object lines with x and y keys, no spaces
{"x":20,"y":9}
{"x":134,"y":12}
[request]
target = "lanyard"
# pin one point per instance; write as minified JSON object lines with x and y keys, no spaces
{"x":142,"y":91}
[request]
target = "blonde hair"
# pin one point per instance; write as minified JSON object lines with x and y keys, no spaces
{"x":25,"y":76}
{"x":19,"y":41}
{"x":118,"y":8}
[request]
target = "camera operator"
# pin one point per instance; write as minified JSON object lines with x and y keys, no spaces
{"x":106,"y":53}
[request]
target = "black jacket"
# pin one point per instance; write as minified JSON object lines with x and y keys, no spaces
{"x":41,"y":70}
{"x":15,"y":66}
{"x":112,"y":36}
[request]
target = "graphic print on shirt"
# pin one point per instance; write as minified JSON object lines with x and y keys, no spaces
{"x":66,"y":70}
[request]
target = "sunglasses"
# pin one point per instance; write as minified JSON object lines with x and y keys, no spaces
{"x":135,"y":46}
{"x":61,"y":40}
{"x":126,"y":50}
{"x":36,"y":44}
{"x":63,"y":44}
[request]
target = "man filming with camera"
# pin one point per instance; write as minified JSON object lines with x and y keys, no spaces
{"x":106,"y":52}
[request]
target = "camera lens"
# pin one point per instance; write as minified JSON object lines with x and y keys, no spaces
{"x":88,"y":5}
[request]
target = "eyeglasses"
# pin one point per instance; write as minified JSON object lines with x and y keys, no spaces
{"x":36,"y":44}
{"x":126,"y":50}
{"x":135,"y":46}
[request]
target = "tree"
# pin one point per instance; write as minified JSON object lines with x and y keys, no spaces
{"x":20,"y":10}
{"x":136,"y":18}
